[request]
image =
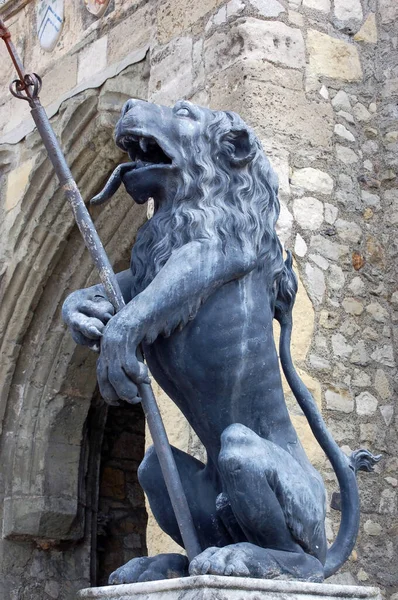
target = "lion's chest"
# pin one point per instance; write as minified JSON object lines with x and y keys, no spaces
{"x":222,"y":367}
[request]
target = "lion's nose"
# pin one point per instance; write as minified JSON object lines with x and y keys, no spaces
{"x":131,"y":104}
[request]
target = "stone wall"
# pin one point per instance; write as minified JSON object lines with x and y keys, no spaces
{"x":317,"y":79}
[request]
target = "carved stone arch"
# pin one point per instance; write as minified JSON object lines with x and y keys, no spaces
{"x":48,"y":382}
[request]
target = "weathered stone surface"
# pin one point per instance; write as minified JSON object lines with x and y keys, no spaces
{"x":171,"y":78}
{"x":274,"y":41}
{"x":17,"y":181}
{"x":346,"y":155}
{"x":92,"y":59}
{"x":324,"y":92}
{"x":388,"y":10}
{"x":327,"y":248}
{"x":313,"y":180}
{"x":348,"y":231}
{"x":341,"y":430}
{"x":175,"y":17}
{"x":341,"y":101}
{"x":212,"y":587}
{"x":332,"y":57}
{"x":320,"y":261}
{"x":352,"y":306}
{"x":382,"y":384}
{"x":234,"y":7}
{"x":377,"y":311}
{"x":268,"y":8}
{"x":387,"y":412}
{"x":368,"y":31}
{"x":336,"y":277}
{"x":371,"y":200}
{"x":308,"y":212}
{"x":372,"y":528}
{"x":343,"y":133}
{"x":347,"y":116}
{"x":340,"y":346}
{"x":357,"y":286}
{"x":360,"y":378}
{"x":384,"y":355}
{"x":321,"y":5}
{"x":366,"y":404}
{"x":331,"y":213}
{"x":319,"y":363}
{"x":388,"y":502}
{"x":316,"y":283}
{"x":369,"y":433}
{"x":59,"y":80}
{"x":360,"y":354}
{"x":339,"y":399}
{"x":257,"y":89}
{"x":361,"y":113}
{"x":345,"y":10}
{"x":284,"y":224}
{"x":300,"y":247}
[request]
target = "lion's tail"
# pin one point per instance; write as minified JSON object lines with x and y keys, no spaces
{"x":344,"y":467}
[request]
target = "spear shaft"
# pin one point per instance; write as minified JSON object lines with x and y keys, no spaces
{"x":27,"y":87}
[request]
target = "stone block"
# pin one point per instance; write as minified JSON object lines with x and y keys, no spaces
{"x":339,"y":399}
{"x":132,"y":33}
{"x":341,"y":101}
{"x":174,"y":17}
{"x":366,"y":404}
{"x":258,"y":42}
{"x":268,"y":8}
{"x":313,"y":180}
{"x":343,"y":133}
{"x":266,"y":96}
{"x":308,"y":212}
{"x":60,"y":80}
{"x":12,"y":114}
{"x":171,"y":78}
{"x":368,"y":31}
{"x":321,"y":5}
{"x":213,"y":587}
{"x":331,"y":57}
{"x":316,"y":283}
{"x":38,"y":517}
{"x":274,"y":41}
{"x":17,"y":181}
{"x":92,"y":59}
{"x":345,"y":10}
{"x":346,"y":155}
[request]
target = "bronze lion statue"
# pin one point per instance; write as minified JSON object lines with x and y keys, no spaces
{"x":207,"y":278}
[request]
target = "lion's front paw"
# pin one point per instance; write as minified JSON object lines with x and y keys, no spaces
{"x":119,"y":373}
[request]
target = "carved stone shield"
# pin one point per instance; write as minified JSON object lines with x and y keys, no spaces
{"x":96,"y":7}
{"x":50,"y":20}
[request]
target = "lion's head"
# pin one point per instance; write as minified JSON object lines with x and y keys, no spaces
{"x":208,"y":176}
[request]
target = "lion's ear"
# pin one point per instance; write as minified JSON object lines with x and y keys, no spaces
{"x":240,"y":146}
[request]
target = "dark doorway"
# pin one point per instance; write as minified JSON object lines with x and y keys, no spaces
{"x":121,"y":518}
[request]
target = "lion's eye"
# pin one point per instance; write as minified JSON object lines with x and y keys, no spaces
{"x":183,"y":112}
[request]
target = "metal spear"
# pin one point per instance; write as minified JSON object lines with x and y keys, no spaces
{"x":27,"y":87}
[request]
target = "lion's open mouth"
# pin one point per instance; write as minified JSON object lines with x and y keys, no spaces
{"x":143,"y":150}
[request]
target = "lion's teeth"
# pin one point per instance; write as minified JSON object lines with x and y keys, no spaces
{"x":143,"y":144}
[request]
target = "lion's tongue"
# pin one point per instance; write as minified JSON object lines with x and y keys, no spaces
{"x":113,"y":183}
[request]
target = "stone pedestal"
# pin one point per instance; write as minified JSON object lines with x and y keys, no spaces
{"x":210,"y":587}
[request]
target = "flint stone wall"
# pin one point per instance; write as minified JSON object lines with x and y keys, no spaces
{"x":318,"y":82}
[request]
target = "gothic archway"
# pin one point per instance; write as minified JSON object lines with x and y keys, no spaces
{"x":48,"y":384}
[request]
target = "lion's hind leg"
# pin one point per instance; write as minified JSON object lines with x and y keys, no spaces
{"x":278,"y":504}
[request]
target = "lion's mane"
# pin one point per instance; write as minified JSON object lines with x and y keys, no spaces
{"x":214,"y":199}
